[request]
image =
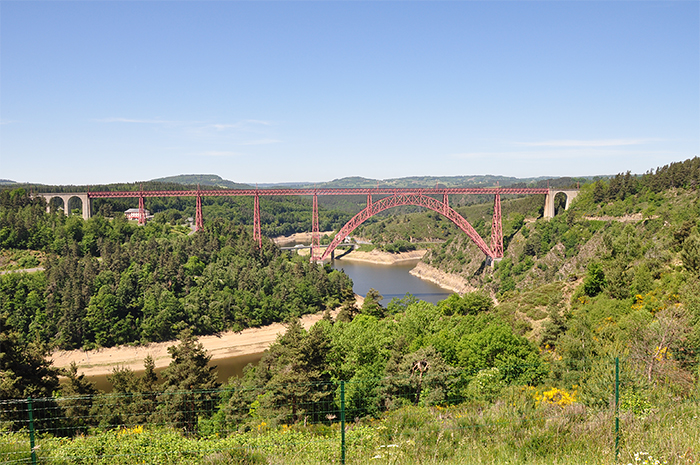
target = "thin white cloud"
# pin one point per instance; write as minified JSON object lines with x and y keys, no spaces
{"x":142,"y":121}
{"x":2,"y":123}
{"x":587,"y":143}
{"x":240,"y":125}
{"x":223,"y":153}
{"x":261,"y":142}
{"x":574,"y":153}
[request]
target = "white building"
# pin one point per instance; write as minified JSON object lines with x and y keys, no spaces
{"x":133,"y":214}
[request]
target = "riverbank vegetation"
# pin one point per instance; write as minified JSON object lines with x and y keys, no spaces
{"x":520,"y":371}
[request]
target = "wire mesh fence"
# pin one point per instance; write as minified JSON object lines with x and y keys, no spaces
{"x":452,"y":416}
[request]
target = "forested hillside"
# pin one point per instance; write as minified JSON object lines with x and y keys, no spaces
{"x":112,"y":282}
{"x":621,"y":265}
{"x":204,"y":180}
{"x":616,"y":276}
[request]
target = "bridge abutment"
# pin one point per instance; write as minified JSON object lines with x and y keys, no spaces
{"x":549,"y":200}
{"x":65,"y":197}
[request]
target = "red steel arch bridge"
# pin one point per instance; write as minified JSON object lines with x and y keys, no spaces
{"x":378,"y":200}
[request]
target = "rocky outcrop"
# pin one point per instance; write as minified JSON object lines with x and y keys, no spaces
{"x":449,"y":281}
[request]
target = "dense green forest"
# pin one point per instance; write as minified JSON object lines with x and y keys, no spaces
{"x":112,"y":282}
{"x":616,"y":273}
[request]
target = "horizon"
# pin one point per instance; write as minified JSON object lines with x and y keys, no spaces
{"x":164,"y":179}
{"x":273,"y":92}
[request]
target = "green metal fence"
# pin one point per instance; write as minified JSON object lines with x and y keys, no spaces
{"x":450,"y":417}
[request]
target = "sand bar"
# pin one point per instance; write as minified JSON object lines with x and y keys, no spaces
{"x":379,"y":257}
{"x":228,"y":344}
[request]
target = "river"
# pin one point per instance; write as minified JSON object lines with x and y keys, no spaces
{"x":390,"y":280}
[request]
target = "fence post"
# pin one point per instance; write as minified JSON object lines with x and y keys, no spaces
{"x":617,"y":409}
{"x":31,"y":428}
{"x":342,"y":422}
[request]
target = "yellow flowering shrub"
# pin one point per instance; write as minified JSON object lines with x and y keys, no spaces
{"x":553,"y":396}
{"x":138,"y":429}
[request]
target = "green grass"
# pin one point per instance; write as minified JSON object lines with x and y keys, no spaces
{"x":532,"y":302}
{"x":510,"y":431}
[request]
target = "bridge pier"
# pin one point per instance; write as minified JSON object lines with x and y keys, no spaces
{"x":491,"y":261}
{"x":549,"y":200}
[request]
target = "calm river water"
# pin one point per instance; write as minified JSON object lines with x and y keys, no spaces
{"x":390,"y":280}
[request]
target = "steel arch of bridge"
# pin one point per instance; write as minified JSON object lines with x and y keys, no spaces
{"x":401,"y":199}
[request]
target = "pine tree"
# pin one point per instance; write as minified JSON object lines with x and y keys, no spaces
{"x":690,"y":254}
{"x":77,"y":396}
{"x":283,"y":371}
{"x":189,"y":384}
{"x":371,"y":305}
{"x":24,"y":372}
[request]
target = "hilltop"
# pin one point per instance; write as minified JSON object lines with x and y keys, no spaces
{"x":433,"y":181}
{"x":405,"y":182}
{"x":203,"y":180}
{"x":213,"y":180}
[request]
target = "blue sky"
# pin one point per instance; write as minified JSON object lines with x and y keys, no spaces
{"x":98,"y":92}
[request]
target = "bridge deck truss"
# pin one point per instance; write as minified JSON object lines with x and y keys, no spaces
{"x":394,"y":197}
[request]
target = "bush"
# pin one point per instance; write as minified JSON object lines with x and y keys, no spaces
{"x":595,"y":280}
{"x":470,"y":304}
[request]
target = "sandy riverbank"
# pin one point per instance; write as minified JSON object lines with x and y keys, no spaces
{"x":228,"y":344}
{"x":248,"y":341}
{"x":450,"y":281}
{"x":302,"y":237}
{"x":383,"y":258}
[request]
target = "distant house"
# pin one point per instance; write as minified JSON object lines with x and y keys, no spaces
{"x":133,"y":214}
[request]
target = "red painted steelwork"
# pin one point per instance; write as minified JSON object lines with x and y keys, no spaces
{"x":397,"y":200}
{"x":396,"y":197}
{"x":315,"y":233}
{"x":311,"y":192}
{"x":496,"y":229}
{"x":198,"y":216}
{"x":257,"y":234}
{"x":142,"y":212}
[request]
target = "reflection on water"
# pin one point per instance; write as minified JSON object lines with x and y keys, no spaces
{"x":226,"y":368}
{"x":390,"y":280}
{"x":233,"y":366}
